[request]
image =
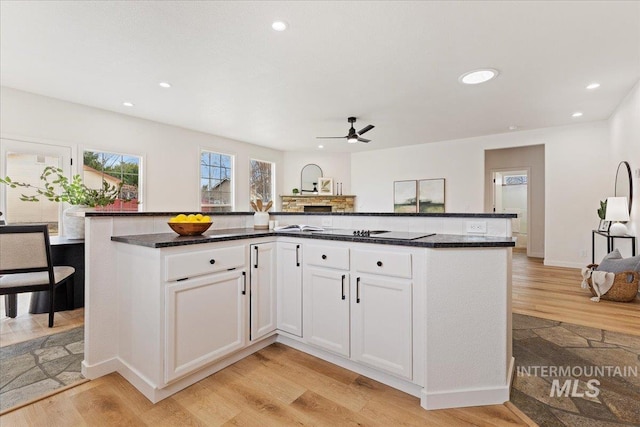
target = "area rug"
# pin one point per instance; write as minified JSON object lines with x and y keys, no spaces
{"x":33,"y":368}
{"x":570,"y":375}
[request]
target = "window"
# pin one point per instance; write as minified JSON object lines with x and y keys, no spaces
{"x":216,"y":189}
{"x":261,"y":181}
{"x":116,"y":169}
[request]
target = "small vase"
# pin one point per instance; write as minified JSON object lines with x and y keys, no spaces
{"x":261,"y":220}
{"x":73,"y":221}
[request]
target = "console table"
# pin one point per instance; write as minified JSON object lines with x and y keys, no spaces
{"x":610,"y":242}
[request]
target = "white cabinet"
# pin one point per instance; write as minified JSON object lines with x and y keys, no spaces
{"x":382,"y":324}
{"x":289,"y":287}
{"x":382,"y":310}
{"x":204,"y":321}
{"x":263,"y":290}
{"x":326,"y":309}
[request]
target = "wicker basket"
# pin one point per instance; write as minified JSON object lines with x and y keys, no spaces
{"x":624,"y":289}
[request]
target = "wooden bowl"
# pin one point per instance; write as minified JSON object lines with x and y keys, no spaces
{"x":190,"y":228}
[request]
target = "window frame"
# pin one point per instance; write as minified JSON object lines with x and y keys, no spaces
{"x":232,"y":191}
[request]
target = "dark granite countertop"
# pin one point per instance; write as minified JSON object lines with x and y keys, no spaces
{"x":213,"y":214}
{"x":164,"y":240}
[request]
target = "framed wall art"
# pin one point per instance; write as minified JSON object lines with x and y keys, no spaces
{"x":431,"y":196}
{"x":405,"y":197}
{"x":325,"y":186}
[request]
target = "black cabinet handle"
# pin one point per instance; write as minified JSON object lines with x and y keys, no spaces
{"x":212,"y":261}
{"x":244,"y":287}
{"x":297,"y":255}
{"x":343,"y":295}
{"x":256,"y":264}
{"x":358,"y":290}
{"x":324,"y":257}
{"x":379,"y":263}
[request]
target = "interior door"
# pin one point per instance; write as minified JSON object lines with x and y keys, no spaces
{"x":24,"y":162}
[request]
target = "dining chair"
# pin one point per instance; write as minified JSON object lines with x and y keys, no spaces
{"x":25,"y":263}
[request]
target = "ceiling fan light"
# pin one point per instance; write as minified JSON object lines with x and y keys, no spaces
{"x":352,"y":139}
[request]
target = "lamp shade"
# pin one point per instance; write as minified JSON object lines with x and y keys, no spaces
{"x":617,"y":209}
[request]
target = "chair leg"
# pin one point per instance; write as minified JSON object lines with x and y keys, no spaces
{"x":70,"y":285}
{"x":52,"y":294}
{"x":11,"y":305}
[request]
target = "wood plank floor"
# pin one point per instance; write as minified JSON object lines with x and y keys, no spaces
{"x":282,"y":386}
{"x":555,"y":293}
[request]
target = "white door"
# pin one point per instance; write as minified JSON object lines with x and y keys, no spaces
{"x":204,"y":321}
{"x":510,"y":195}
{"x":326,"y":309}
{"x":289,"y":288}
{"x":263,"y":290}
{"x":24,"y":162}
{"x":382,"y":320}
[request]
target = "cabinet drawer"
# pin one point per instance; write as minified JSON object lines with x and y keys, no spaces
{"x":327,"y":256}
{"x":191,"y":264}
{"x":382,"y":262}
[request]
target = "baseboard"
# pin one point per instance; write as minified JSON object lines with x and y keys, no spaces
{"x":469,"y":397}
{"x":568,"y":264}
{"x":101,"y":369}
{"x":390,"y":380}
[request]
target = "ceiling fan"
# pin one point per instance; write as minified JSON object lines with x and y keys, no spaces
{"x":352,"y":136}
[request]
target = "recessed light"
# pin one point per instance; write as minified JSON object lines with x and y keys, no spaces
{"x":513,"y":127}
{"x":577,"y":114}
{"x":478,"y":76}
{"x":593,"y":86}
{"x":279,"y":25}
{"x":128,"y":104}
{"x":320,"y":146}
{"x":164,"y":85}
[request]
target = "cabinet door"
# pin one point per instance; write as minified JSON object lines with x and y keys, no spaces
{"x":289,"y":288}
{"x":326,"y":309}
{"x":263,"y":290}
{"x":382,"y":324}
{"x":204,"y":321}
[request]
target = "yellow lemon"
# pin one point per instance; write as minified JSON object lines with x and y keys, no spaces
{"x":173,"y":219}
{"x":199,"y":217}
{"x":191,"y":218}
{"x":206,"y":218}
{"x":181,"y":218}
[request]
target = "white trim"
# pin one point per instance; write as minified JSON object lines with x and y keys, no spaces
{"x":98,"y":370}
{"x":568,"y":264}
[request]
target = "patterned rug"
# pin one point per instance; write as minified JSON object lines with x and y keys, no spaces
{"x":33,"y":368}
{"x":570,"y":375}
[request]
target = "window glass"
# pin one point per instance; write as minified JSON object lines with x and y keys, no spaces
{"x":216,"y":189}
{"x":115,"y":169}
{"x":261,"y":180}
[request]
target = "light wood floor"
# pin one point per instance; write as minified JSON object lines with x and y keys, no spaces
{"x":555,"y":293}
{"x":281,"y":386}
{"x":27,"y":326}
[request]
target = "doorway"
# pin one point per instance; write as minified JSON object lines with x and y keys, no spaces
{"x":511,"y":195}
{"x":24,"y":162}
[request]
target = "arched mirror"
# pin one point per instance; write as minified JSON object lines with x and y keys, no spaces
{"x":624,"y":184}
{"x":309,"y":178}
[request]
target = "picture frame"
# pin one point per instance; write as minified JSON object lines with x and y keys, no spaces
{"x":604,"y":226}
{"x":325,"y":186}
{"x":431,"y":195}
{"x":405,"y":196}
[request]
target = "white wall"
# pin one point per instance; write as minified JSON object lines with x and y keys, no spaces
{"x":333,"y":165}
{"x":625,"y":145}
{"x":577,"y":177}
{"x":170,"y":154}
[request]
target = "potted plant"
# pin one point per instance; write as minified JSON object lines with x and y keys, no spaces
{"x":57,"y":187}
{"x":295,"y":191}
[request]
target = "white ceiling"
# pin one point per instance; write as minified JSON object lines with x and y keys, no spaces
{"x":392,"y":64}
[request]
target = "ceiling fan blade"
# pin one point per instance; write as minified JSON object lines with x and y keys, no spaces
{"x":330,"y":137}
{"x":365,"y":129}
{"x":363,"y":139}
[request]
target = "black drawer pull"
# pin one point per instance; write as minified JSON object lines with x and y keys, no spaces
{"x":379,"y":263}
{"x":212,"y":261}
{"x":343,"y":295}
{"x":324,"y":257}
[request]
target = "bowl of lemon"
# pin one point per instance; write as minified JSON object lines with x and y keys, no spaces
{"x":190,"y":225}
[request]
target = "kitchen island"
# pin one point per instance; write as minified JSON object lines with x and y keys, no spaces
{"x":429,"y":316}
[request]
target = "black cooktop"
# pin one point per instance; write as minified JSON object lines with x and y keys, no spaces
{"x":376,"y":234}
